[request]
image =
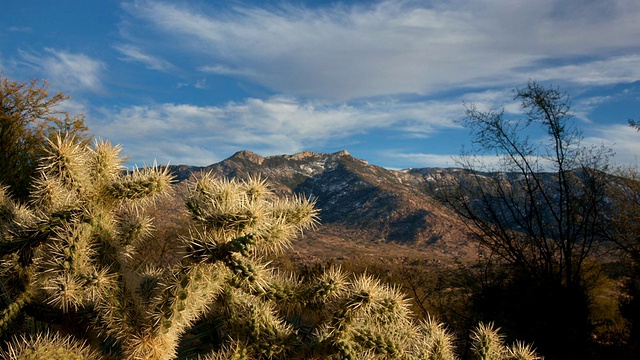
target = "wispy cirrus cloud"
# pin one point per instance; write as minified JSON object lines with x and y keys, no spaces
{"x":623,"y":139}
{"x":273,"y":126}
{"x":613,"y":70}
{"x":20,"y":29}
{"x":133,"y":53}
{"x":68,"y":71}
{"x":284,"y":125}
{"x":406,"y":47}
{"x":283,"y":76}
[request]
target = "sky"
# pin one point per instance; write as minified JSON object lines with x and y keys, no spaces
{"x":192,"y":82}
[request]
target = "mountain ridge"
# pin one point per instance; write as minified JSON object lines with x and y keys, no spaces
{"x":358,"y":201}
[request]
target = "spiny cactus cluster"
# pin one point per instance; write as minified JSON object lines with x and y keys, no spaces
{"x":488,"y":344}
{"x":77,"y":285}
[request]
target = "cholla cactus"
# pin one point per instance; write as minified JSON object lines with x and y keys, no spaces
{"x":367,"y":320}
{"x":434,"y":342}
{"x":76,"y":248}
{"x":66,"y":249}
{"x":48,"y":346}
{"x":77,"y":251}
{"x":522,"y":351}
{"x":488,"y":344}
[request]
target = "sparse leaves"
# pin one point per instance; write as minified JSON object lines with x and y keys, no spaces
{"x":29,"y":116}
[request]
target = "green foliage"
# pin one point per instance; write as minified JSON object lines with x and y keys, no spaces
{"x":28,"y":116}
{"x":75,"y":259}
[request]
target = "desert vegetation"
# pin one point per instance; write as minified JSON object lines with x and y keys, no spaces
{"x":100,"y":262}
{"x":548,"y":214}
{"x":80,"y":282}
{"x":29,"y":115}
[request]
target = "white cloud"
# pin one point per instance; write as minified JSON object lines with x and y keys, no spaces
{"x":225,"y":70}
{"x":201,"y":84}
{"x":432,"y":160}
{"x":584,"y":106}
{"x":25,"y":29}
{"x":274,"y":126}
{"x":395,"y":47}
{"x":623,"y":139}
{"x":613,"y":70}
{"x":134,"y":54}
{"x":201,"y":135}
{"x":73,"y":107}
{"x":67,"y":71}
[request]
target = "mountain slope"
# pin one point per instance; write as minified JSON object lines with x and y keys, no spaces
{"x":359,"y":202}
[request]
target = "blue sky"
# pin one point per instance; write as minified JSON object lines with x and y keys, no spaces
{"x":192,"y":82}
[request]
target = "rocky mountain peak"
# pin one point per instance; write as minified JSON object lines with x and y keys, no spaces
{"x":248,"y":155}
{"x":303,"y":155}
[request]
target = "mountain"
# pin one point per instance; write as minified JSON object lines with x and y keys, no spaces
{"x":365,"y":209}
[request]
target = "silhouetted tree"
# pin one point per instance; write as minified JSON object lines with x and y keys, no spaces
{"x":625,"y":234}
{"x":539,"y":208}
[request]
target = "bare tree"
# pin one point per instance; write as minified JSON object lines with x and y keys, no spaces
{"x":625,"y":226}
{"x":625,"y":234}
{"x":541,"y":207}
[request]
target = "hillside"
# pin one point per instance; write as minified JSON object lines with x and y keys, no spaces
{"x":365,"y":209}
